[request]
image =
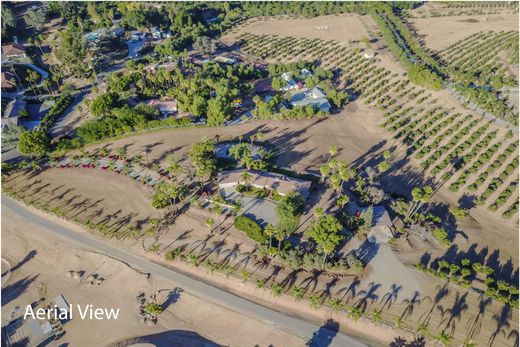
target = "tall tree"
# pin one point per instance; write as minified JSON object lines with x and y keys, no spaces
{"x":326,"y":232}
{"x":202,"y":156}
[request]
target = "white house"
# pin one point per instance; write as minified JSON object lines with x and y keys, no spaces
{"x":314,"y":96}
{"x":165,"y":107}
{"x":290,"y":83}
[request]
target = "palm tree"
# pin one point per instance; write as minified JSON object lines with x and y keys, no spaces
{"x":280,"y":235}
{"x":333,"y":150}
{"x":297,"y":293}
{"x":260,"y":283}
{"x":422,"y":330}
{"x":174,"y":166}
{"x":121,"y":152}
{"x":138,"y":159}
{"x":335,"y":304}
{"x":444,"y":338}
{"x":376,"y":315}
{"x":246,"y":177}
{"x":399,"y":322}
{"x":270,"y":230}
{"x":245,"y":275}
{"x":315,"y":301}
{"x":354,"y":312}
{"x":276,"y":289}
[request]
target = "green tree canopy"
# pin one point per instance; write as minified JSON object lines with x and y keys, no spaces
{"x":34,"y":143}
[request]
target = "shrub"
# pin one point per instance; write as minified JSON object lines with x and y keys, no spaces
{"x":251,"y":228}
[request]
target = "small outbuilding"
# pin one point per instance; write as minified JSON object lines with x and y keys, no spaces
{"x":382,"y":226}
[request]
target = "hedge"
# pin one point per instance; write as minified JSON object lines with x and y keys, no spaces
{"x":252,"y":229}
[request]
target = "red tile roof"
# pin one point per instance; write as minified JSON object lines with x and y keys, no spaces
{"x":10,"y":50}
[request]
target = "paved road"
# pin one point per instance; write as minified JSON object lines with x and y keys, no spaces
{"x":305,"y":330}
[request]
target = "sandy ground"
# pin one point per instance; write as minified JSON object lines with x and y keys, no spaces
{"x":94,"y":196}
{"x":301,"y":144}
{"x":53,"y":258}
{"x":342,"y":28}
{"x":440,"y":32}
{"x":386,"y":283}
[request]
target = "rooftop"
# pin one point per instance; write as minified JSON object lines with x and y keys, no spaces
{"x":163,"y":105}
{"x":268,"y":180}
{"x":13,"y":108}
{"x":15,"y":49}
{"x":8,"y":78}
{"x":314,"y":96}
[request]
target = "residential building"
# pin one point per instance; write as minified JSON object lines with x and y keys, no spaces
{"x":165,"y":106}
{"x":138,"y":35}
{"x":304,"y":73}
{"x":8,"y":78}
{"x":266,"y":180}
{"x":117,"y":31}
{"x":13,"y":52}
{"x":314,"y":96}
{"x":156,"y":33}
{"x":225,"y":60}
{"x":14,"y":110}
{"x":382,"y":227}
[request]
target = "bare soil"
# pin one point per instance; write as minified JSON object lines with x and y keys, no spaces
{"x":440,"y":32}
{"x":189,"y":316}
{"x":343,"y":28}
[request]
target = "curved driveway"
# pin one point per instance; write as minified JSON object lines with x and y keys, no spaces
{"x":299,"y":327}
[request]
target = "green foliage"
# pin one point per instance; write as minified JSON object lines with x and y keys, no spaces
{"x":202,"y":156}
{"x":34,"y":143}
{"x":35,"y":18}
{"x":168,"y":194}
{"x":289,"y":208}
{"x":103,"y":104}
{"x":251,"y":228}
{"x":326,"y":232}
{"x":71,"y":51}
{"x":153,"y":309}
{"x":204,"y":45}
{"x":458,"y":213}
{"x":442,"y":235}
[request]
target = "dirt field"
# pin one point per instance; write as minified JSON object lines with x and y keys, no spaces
{"x":440,"y":32}
{"x":380,"y":287}
{"x":94,"y":195}
{"x":342,"y":28}
{"x":303,"y":146}
{"x":188,"y":321}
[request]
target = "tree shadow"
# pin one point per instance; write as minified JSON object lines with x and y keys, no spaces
{"x":502,"y":320}
{"x":325,"y":334}
{"x":367,"y":295}
{"x":28,"y":257}
{"x":402,"y":342}
{"x":455,"y":312}
{"x":351,"y":289}
{"x":367,"y":251}
{"x":391,"y":296}
{"x":172,"y":298}
{"x":13,"y":291}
